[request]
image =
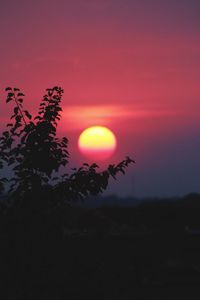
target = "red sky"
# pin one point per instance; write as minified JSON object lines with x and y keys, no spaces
{"x":133,"y":66}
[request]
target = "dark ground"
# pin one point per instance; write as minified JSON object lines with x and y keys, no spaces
{"x":151,"y":251}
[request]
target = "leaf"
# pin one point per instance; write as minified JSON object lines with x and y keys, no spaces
{"x":38,"y":117}
{"x":94,"y":166}
{"x":129,"y":160}
{"x":28,"y":115}
{"x":10,"y":95}
{"x":18,"y":118}
{"x":20,"y":94}
{"x":122,"y":171}
{"x":8,"y":89}
{"x":16,"y":109}
{"x":8,"y":100}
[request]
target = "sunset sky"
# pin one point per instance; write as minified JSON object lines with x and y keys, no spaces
{"x":131,"y":65}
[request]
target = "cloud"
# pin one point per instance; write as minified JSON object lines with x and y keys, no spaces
{"x":82,"y":116}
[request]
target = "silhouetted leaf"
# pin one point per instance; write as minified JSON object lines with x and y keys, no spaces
{"x":16,"y":109}
{"x":8,"y":100}
{"x":28,"y":115}
{"x":20,"y":94}
{"x":94,"y":166}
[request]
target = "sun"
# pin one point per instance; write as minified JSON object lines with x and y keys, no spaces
{"x":97,"y":142}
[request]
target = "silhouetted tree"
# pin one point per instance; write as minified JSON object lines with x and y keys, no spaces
{"x":31,"y":148}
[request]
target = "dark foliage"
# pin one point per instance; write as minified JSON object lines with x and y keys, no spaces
{"x":30,"y":146}
{"x":35,"y":211}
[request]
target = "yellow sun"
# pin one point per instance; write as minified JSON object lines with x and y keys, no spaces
{"x":97,"y":142}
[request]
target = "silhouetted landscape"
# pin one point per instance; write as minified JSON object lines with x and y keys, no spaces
{"x":109,"y":252}
{"x":100,"y":174}
{"x":60,"y":239}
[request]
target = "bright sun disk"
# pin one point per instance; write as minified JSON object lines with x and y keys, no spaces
{"x":97,"y":142}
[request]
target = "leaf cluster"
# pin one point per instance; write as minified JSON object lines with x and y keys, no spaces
{"x":31,"y":148}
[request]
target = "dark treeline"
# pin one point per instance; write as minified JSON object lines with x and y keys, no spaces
{"x":109,"y":252}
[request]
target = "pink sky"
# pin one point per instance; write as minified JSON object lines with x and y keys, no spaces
{"x":133,"y":66}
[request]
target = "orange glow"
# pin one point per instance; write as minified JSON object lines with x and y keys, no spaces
{"x":79,"y":116}
{"x":97,"y":142}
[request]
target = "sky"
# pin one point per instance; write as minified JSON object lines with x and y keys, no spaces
{"x":133,"y":66}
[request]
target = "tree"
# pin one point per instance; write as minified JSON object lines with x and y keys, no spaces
{"x":31,"y":148}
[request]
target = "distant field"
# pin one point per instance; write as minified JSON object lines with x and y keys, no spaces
{"x":151,"y":250}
